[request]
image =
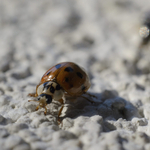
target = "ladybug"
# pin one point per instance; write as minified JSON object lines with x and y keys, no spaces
{"x":66,"y":78}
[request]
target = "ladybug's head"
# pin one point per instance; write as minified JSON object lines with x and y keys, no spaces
{"x":43,"y":99}
{"x":47,"y":92}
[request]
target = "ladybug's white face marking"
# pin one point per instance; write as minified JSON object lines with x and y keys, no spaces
{"x":40,"y":89}
{"x":48,"y":91}
{"x":58,"y":94}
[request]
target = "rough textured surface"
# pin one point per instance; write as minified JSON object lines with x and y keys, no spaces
{"x":101,"y":36}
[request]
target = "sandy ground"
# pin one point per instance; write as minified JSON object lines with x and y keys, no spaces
{"x":102,"y":37}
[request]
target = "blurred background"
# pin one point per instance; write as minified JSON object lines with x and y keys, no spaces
{"x":98,"y":35}
{"x":110,"y":39}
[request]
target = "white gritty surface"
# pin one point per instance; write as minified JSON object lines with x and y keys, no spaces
{"x":102,"y":37}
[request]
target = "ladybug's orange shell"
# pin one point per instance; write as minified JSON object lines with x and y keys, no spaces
{"x":70,"y":76}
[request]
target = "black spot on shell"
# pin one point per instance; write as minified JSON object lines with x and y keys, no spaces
{"x":58,"y":66}
{"x":68,"y":69}
{"x":58,"y":87}
{"x":80,"y":75}
{"x":66,"y":79}
{"x":52,"y":89}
